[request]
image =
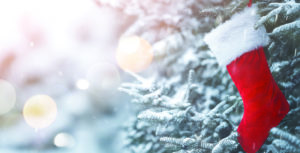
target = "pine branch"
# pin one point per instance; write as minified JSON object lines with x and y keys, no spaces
{"x":151,"y":116}
{"x":284,"y":146}
{"x":288,"y":10}
{"x":229,"y":144}
{"x":189,"y":88}
{"x":289,"y":27}
{"x":225,"y":144}
{"x":231,"y":109}
{"x":269,"y":16}
{"x":286,"y":136}
{"x":164,"y":116}
{"x":187,"y":143}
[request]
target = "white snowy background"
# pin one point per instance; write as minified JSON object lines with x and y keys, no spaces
{"x":64,"y":49}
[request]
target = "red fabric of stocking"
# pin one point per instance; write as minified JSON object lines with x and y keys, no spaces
{"x":264,"y":104}
{"x":250,"y":3}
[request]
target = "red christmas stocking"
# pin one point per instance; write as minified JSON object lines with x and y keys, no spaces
{"x":237,"y":45}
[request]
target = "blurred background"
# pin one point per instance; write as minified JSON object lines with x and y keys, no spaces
{"x":59,"y":77}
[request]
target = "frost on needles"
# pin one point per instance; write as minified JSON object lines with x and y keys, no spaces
{"x":189,"y":104}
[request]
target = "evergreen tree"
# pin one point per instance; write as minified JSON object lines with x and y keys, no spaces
{"x":189,"y":103}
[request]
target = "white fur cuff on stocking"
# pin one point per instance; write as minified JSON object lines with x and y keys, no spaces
{"x":236,"y":36}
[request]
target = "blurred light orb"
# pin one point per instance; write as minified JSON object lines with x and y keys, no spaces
{"x":31,"y":44}
{"x":40,"y":111}
{"x":7,"y":96}
{"x":82,"y":84}
{"x":103,"y":77}
{"x":64,"y":140}
{"x":134,"y":53}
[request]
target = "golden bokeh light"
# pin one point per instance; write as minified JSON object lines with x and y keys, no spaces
{"x":7,"y":96}
{"x":134,"y":54}
{"x":40,"y":111}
